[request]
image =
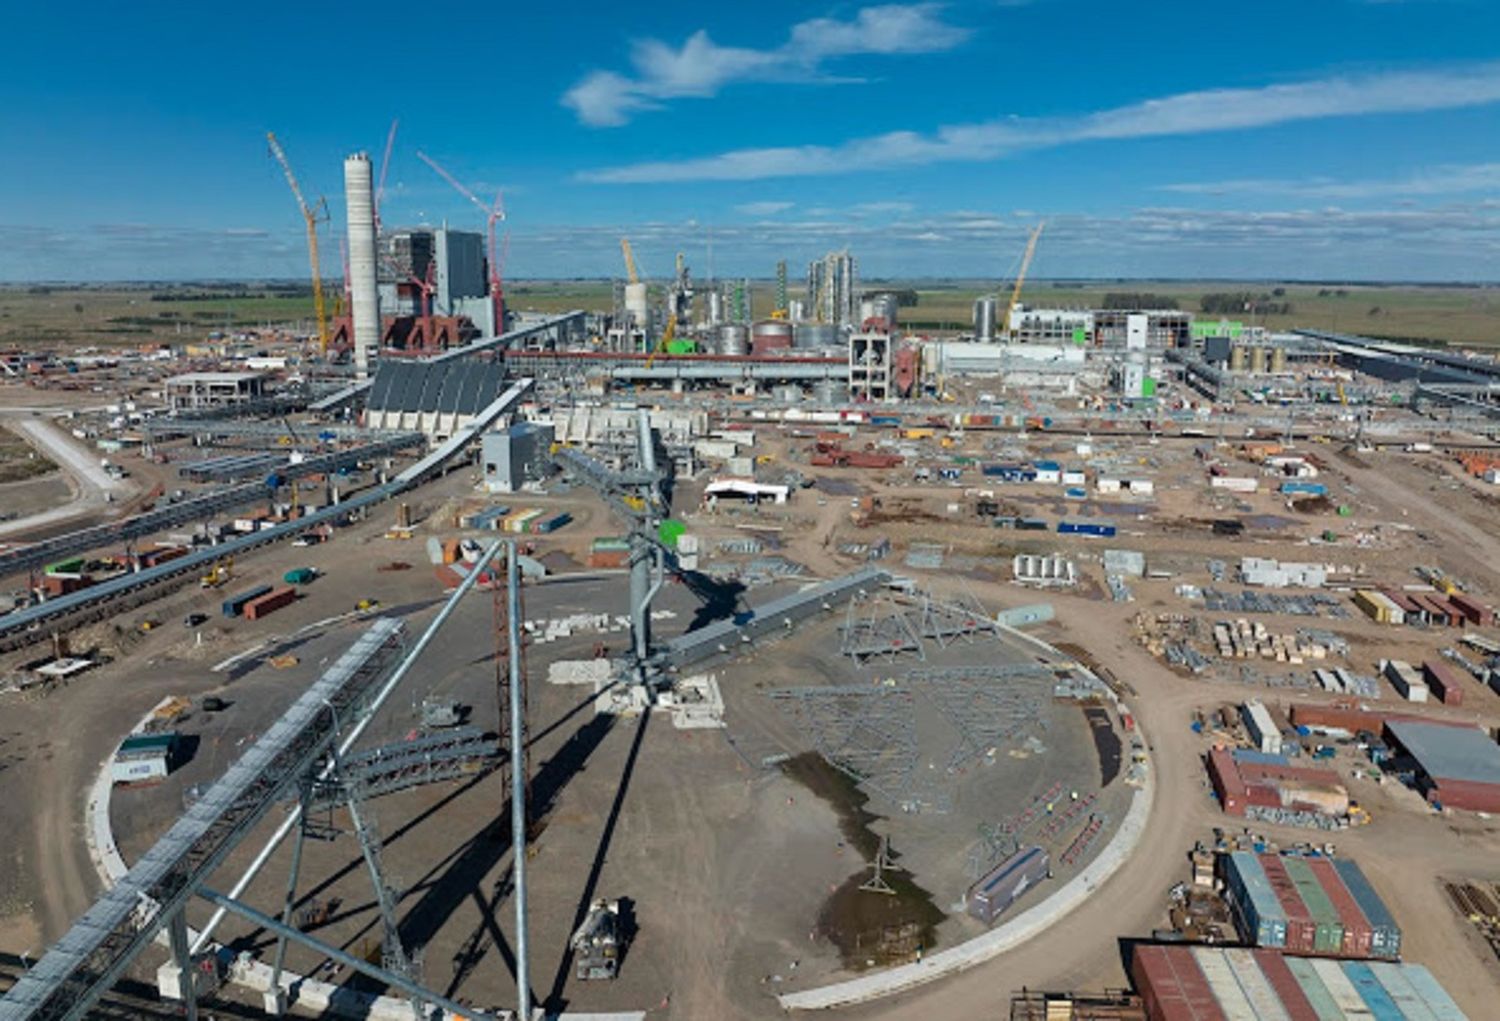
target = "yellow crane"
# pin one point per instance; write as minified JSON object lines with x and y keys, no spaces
{"x":630,"y":267}
{"x":310,"y":215}
{"x":1015,"y":293}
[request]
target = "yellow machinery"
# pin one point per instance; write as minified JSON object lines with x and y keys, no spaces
{"x":667,"y":336}
{"x":217,"y":575}
{"x":1015,"y":293}
{"x":1343,"y":397}
{"x":310,"y":215}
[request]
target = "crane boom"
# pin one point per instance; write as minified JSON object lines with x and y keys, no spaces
{"x":1015,"y":294}
{"x":630,"y":268}
{"x":310,"y":216}
{"x":492,"y":214}
{"x":385,"y":165}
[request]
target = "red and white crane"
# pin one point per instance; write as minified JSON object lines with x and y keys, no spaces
{"x":493,"y":214}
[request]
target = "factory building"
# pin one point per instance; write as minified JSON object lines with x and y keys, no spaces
{"x":213,"y":389}
{"x":1141,"y":329}
{"x":870,"y":364}
{"x":451,"y":262}
{"x":437,"y":398}
{"x":1456,"y":766}
{"x":515,"y":456}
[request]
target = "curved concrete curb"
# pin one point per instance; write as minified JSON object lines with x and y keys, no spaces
{"x":981,"y":948}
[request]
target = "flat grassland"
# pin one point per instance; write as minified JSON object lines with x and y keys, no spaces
{"x":119,"y":316}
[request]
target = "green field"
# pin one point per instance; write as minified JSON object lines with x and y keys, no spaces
{"x":102,"y":316}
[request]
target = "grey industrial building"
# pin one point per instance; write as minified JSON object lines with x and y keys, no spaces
{"x":455,"y":261}
{"x":515,"y":456}
{"x":213,"y":389}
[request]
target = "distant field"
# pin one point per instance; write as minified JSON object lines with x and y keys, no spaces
{"x":32,"y":317}
{"x":19,"y":461}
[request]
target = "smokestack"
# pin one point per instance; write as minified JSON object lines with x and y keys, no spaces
{"x":359,"y":199}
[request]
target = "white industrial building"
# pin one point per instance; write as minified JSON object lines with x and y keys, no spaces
{"x":213,"y":389}
{"x":1268,"y":573}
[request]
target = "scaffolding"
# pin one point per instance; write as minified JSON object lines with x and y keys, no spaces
{"x":867,"y":733}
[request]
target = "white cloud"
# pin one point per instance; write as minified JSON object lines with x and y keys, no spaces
{"x":1452,"y":179}
{"x":763,"y":208}
{"x":701,"y":67}
{"x":1187,"y":113}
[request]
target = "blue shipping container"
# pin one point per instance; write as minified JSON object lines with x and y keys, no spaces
{"x":235,"y":604}
{"x":1372,"y":992}
{"x":1307,"y":488}
{"x":1387,"y":935}
{"x":1263,"y":919}
{"x":1434,"y":995}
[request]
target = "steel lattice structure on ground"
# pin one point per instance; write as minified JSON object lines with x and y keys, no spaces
{"x":880,"y":625}
{"x":988,"y":706}
{"x":88,"y":959}
{"x":868,"y":733}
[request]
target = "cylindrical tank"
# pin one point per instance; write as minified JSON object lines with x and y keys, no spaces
{"x":1278,"y":359}
{"x":828,"y":391}
{"x":364,"y":296}
{"x":635,"y":303}
{"x":734,"y":339}
{"x":770,"y":335}
{"x":1257,"y":360}
{"x":715,"y":308}
{"x":796,"y":310}
{"x":881,"y":306}
{"x":984,"y":319}
{"x":814,"y":335}
{"x":1237,"y":359}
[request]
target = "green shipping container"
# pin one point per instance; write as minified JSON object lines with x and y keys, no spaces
{"x":299,"y":576}
{"x":73,"y":565}
{"x":1329,"y":937}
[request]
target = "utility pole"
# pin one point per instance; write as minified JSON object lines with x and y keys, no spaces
{"x":517,"y":779}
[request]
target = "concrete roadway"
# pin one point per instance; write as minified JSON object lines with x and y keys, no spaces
{"x":93,"y":488}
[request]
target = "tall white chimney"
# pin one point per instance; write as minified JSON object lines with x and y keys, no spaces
{"x":359,"y":200}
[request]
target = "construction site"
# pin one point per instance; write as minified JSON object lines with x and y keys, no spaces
{"x":451,"y":658}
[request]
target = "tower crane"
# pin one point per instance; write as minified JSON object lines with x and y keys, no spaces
{"x":494,"y":214}
{"x":631,"y":270}
{"x":385,"y":165}
{"x":1015,"y":294}
{"x":311,"y":216}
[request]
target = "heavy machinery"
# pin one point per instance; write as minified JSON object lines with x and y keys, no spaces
{"x":221,"y":572}
{"x":632,"y":272}
{"x":311,"y":215}
{"x":1015,"y":293}
{"x":494,"y":213}
{"x":599,"y":942}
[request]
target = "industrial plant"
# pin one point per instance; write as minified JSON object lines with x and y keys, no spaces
{"x":748,"y":646}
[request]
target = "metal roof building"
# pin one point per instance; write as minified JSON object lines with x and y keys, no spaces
{"x":1457,"y":766}
{"x":435,"y":397}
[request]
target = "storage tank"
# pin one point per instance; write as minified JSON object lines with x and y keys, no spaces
{"x":734,"y":339}
{"x":635,"y":304}
{"x":1237,"y":359}
{"x":1257,"y":360}
{"x":796,"y":310}
{"x":770,"y":335}
{"x":1278,"y":359}
{"x":813,"y":335}
{"x":879,"y":306}
{"x":828,"y":392}
{"x":715,"y":308}
{"x":984,"y":319}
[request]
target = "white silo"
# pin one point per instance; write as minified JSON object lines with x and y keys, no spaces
{"x":364,"y":296}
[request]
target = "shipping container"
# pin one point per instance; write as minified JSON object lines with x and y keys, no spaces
{"x":1341,"y":989}
{"x":1385,"y":934}
{"x":72,"y":565}
{"x":1401,"y":992}
{"x":1088,"y":528}
{"x":1304,"y":488}
{"x":1472,"y":609}
{"x":1301,"y":929}
{"x":1257,"y":990}
{"x":1172,"y":985}
{"x":1442,"y":681}
{"x":269,"y":603}
{"x":235,"y":605}
{"x":1328,"y":937}
{"x":1358,"y":936}
{"x":1293,"y":1000}
{"x":1376,"y":998}
{"x":1263,"y":918}
{"x":1225,"y":987}
{"x":553,"y":523}
{"x":299,"y":576}
{"x":993,"y":894}
{"x":1433,"y":995}
{"x":1313,"y":988}
{"x":1405,"y":679}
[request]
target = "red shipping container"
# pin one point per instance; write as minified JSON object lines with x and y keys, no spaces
{"x":1288,"y":989}
{"x":1358,"y":936}
{"x":1301,"y":930}
{"x":1226,"y":782}
{"x":1172,"y":985}
{"x":1443,"y":681}
{"x":270,"y":603}
{"x":1471,"y":608}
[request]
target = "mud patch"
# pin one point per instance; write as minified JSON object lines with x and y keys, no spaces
{"x":869,"y":929}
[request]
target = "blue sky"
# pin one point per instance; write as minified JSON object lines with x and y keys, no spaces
{"x":1311,"y":139}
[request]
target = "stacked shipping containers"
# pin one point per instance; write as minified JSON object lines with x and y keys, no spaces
{"x":1308,"y":906}
{"x":269,"y":603}
{"x":235,"y":605}
{"x":1178,"y":983}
